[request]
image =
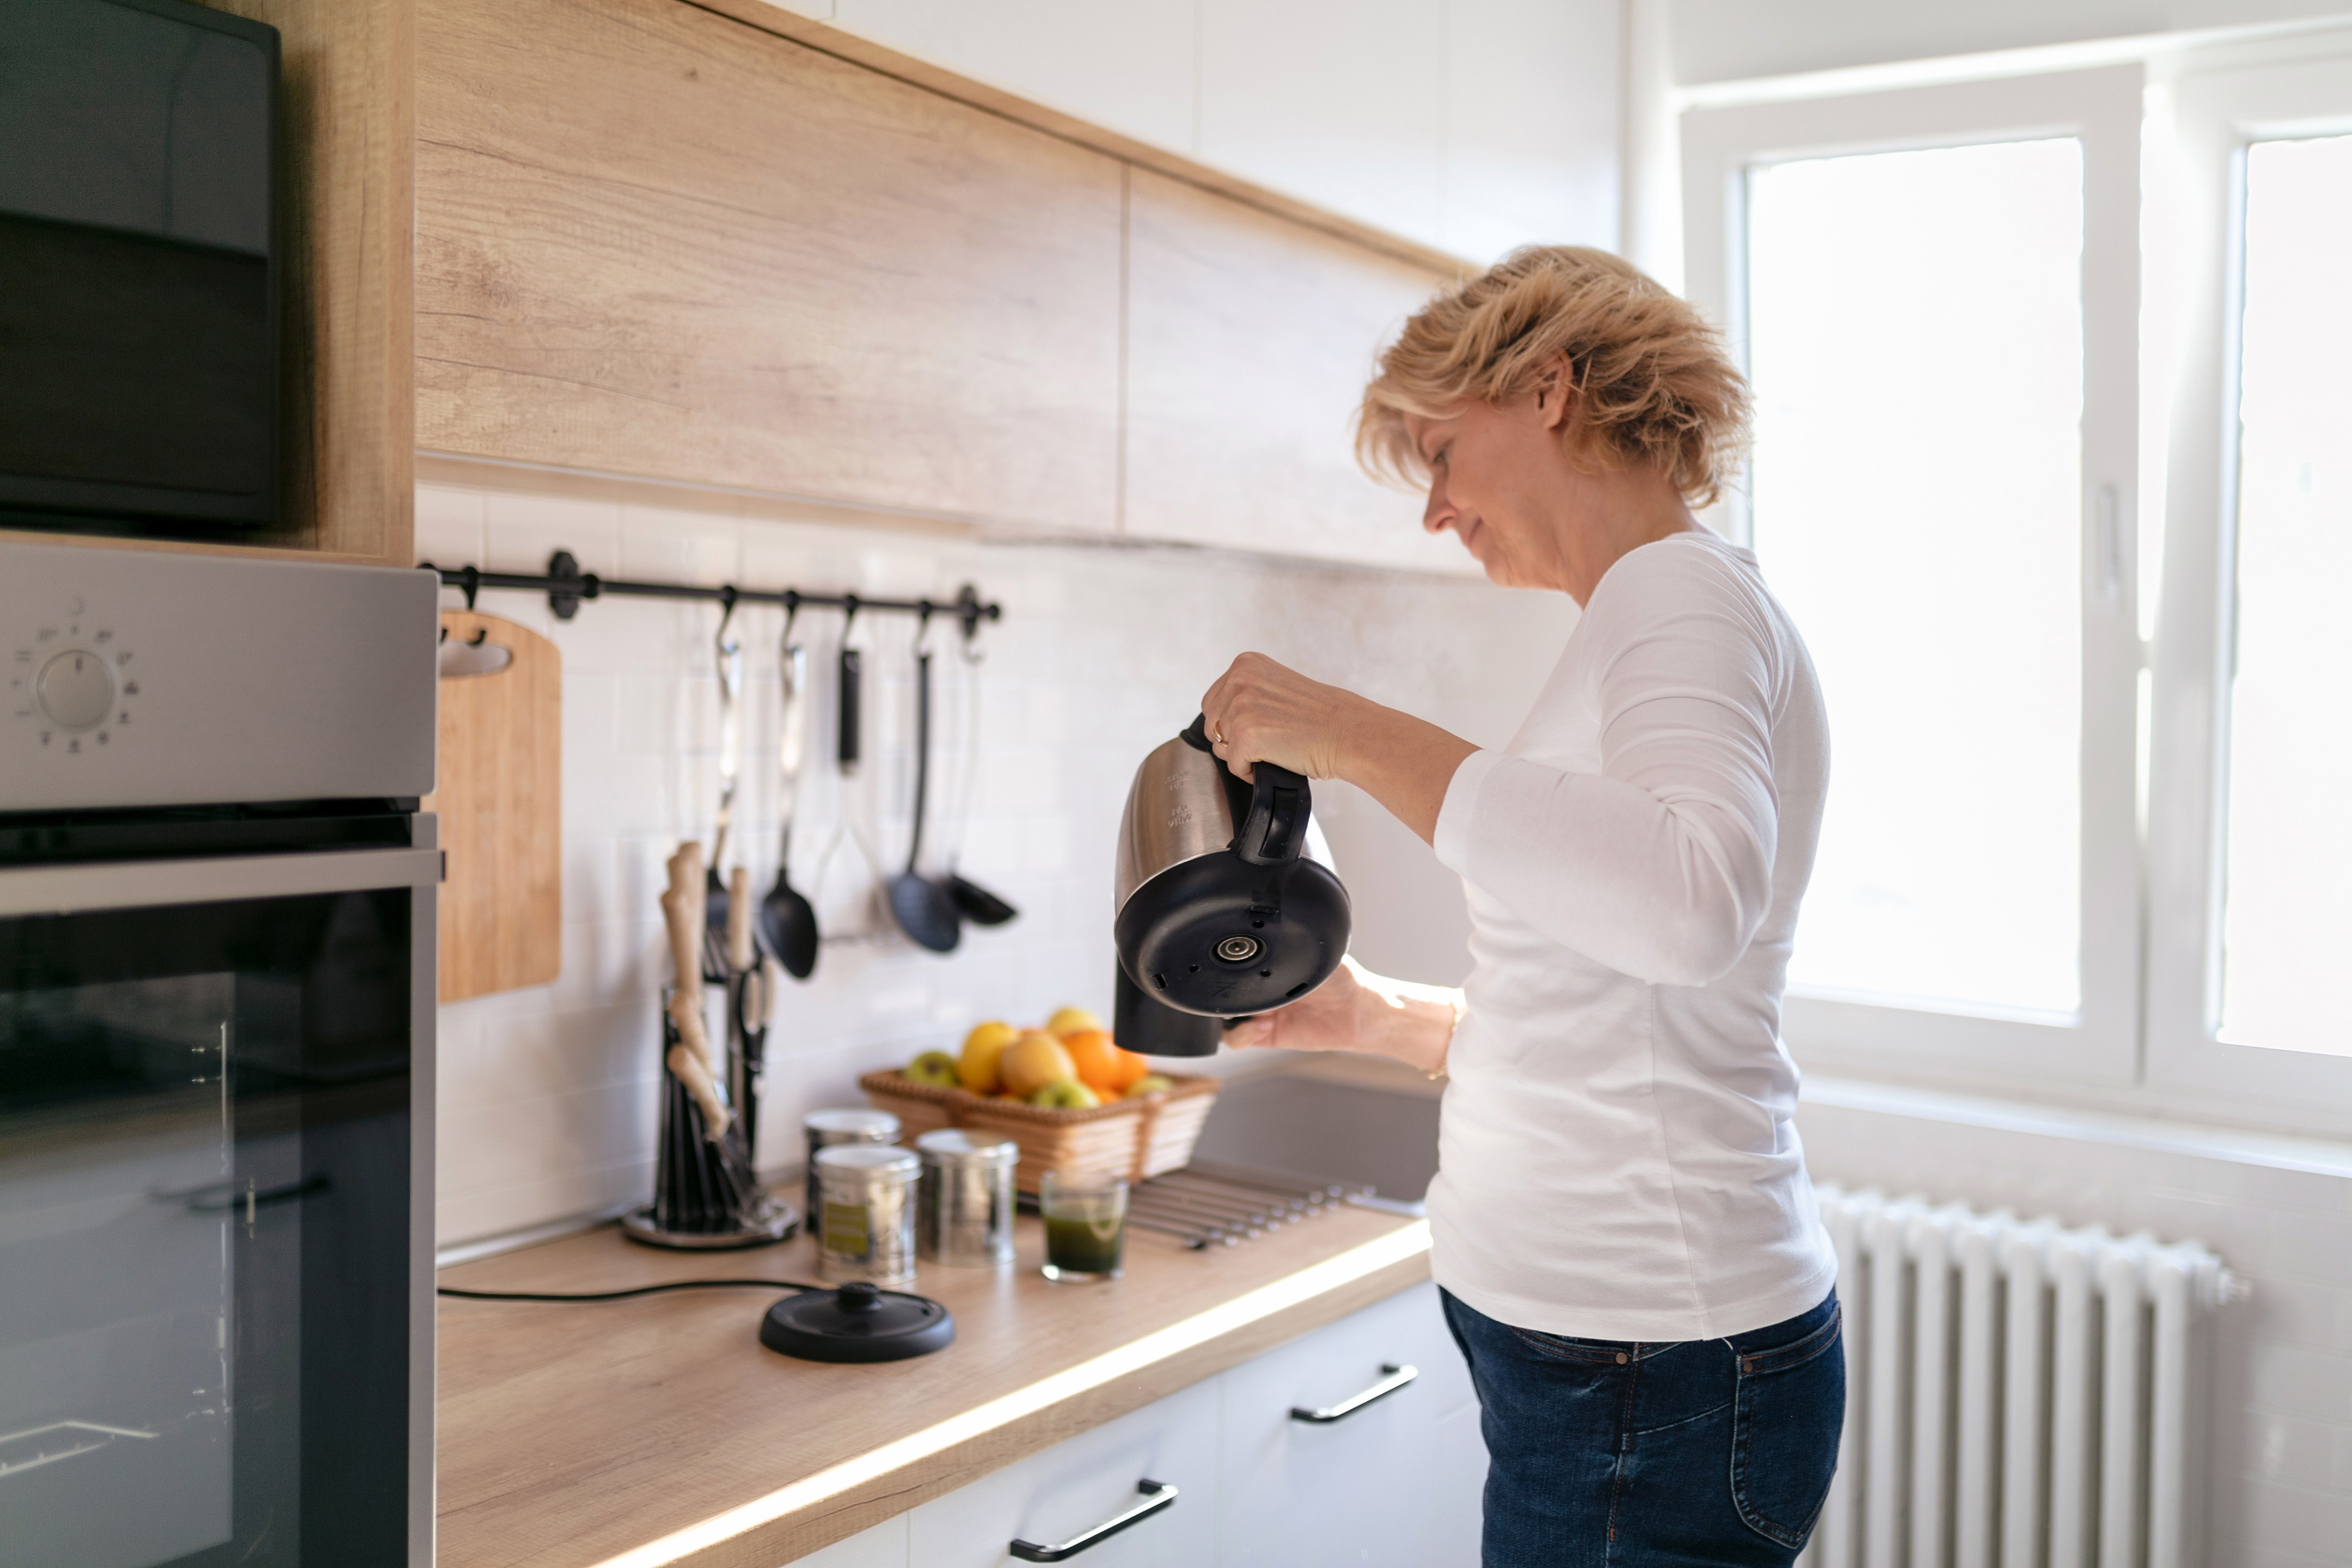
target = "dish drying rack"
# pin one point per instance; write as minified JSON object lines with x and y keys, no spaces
{"x":1217,"y":1206}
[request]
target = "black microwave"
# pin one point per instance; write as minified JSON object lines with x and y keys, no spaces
{"x":139,"y":352}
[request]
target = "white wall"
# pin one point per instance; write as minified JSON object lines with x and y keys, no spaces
{"x":547,"y":1095}
{"x":2279,"y":1211}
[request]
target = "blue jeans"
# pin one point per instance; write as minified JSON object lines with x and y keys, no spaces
{"x":1608,"y":1454}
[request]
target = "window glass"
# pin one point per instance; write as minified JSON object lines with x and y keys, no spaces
{"x":1916,"y":343}
{"x":2287,"y":922}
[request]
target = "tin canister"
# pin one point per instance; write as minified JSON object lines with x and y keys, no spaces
{"x":865,"y":1218}
{"x":963,"y":1207}
{"x":851,"y":1125}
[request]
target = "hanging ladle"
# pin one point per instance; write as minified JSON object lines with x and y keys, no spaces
{"x":787,"y":921}
{"x":923,"y":909}
{"x":975,"y":902}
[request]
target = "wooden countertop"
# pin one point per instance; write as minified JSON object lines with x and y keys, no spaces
{"x":632,"y":1433}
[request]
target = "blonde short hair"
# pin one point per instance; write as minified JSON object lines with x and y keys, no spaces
{"x":1653,"y":383}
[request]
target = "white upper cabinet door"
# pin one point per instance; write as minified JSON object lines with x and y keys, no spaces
{"x":1249,"y":341}
{"x":1531,"y":116}
{"x":1343,"y":106}
{"x":1126,"y":67}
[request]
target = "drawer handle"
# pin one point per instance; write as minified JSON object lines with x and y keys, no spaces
{"x":1398,"y":1376}
{"x":1157,"y":1495}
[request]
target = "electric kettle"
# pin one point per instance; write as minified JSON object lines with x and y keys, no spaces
{"x":1224,"y":908}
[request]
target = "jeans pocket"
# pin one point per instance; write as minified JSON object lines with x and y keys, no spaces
{"x":1784,"y":1440}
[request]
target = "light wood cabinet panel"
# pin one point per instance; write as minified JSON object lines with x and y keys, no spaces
{"x":1249,"y":340}
{"x":653,"y":240}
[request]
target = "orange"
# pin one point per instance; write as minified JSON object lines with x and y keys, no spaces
{"x":1102,"y":1066}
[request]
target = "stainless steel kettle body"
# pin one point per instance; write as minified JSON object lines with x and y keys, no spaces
{"x":1223,"y":911}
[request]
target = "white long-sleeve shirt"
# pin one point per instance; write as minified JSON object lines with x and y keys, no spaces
{"x":1617,"y":1154}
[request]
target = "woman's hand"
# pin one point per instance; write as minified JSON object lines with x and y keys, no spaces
{"x":1359,"y":1011}
{"x":1262,"y":711}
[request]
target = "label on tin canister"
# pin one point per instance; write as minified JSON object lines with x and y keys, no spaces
{"x":846,"y":1230}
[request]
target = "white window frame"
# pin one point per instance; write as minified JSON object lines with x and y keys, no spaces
{"x":2103,"y":109}
{"x":2215,"y":115}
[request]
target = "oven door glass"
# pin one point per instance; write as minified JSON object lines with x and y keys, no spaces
{"x":205,"y":1233}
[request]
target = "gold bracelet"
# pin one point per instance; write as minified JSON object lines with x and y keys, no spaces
{"x":1460,"y":1006}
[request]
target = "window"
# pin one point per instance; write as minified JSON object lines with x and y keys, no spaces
{"x":2286,"y":929}
{"x":1935,"y":292}
{"x":2249,"y":849}
{"x":1924,"y":534}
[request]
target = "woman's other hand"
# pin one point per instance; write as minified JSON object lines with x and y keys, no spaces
{"x":1326,"y":1019}
{"x":1262,"y":711}
{"x":1359,"y":1011}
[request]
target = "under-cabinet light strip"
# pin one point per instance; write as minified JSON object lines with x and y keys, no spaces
{"x":1411,"y":1241}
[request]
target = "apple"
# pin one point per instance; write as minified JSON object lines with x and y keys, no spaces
{"x":1065,"y":1094}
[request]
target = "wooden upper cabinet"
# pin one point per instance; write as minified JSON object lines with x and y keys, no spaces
{"x":652,"y":240}
{"x":1249,"y":341}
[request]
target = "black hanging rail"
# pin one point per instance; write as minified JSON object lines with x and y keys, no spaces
{"x":566,"y":586}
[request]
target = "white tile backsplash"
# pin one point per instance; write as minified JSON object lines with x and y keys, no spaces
{"x":547,"y":1095}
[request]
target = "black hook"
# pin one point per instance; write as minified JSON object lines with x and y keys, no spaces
{"x":848,"y":614}
{"x":472,"y":584}
{"x":727,"y":607}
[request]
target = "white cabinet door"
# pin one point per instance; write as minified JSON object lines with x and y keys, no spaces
{"x":1053,"y":1496}
{"x":1382,"y":1485}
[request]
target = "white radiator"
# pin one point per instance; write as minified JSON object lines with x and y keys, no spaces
{"x":2019,"y":1395}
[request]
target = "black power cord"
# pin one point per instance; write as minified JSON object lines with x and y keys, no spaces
{"x":625,"y":1295}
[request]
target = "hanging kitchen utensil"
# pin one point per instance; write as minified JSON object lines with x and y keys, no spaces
{"x":971,"y":900}
{"x":499,"y":796}
{"x":730,"y":766}
{"x":787,"y":919}
{"x":923,"y":909}
{"x":846,"y":710}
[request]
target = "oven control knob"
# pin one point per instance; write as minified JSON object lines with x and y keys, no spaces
{"x":76,"y":689}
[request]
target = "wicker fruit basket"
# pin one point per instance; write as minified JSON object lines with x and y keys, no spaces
{"x":1129,"y":1138}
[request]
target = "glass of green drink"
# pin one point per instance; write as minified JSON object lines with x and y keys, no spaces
{"x":1085,"y":1227}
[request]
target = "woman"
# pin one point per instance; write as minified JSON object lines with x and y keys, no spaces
{"x":1628,"y":1246}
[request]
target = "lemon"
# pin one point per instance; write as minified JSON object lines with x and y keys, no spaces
{"x":1072,"y":1021}
{"x":977,"y":1067}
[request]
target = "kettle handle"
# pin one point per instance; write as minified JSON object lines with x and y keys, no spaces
{"x":1281,"y":803}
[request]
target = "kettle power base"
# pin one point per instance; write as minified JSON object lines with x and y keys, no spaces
{"x":857,"y":1323}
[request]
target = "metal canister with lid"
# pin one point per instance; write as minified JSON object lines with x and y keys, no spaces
{"x":963,"y":1207}
{"x":864,"y":1219}
{"x":849,"y":1125}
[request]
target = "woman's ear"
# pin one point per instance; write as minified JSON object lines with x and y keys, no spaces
{"x":1554,"y":388}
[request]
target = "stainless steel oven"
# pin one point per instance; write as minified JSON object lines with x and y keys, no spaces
{"x":216,"y":1009}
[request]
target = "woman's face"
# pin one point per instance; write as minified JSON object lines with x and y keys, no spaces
{"x":1499,"y":477}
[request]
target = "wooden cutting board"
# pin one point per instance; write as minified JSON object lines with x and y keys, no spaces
{"x":500,"y":801}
